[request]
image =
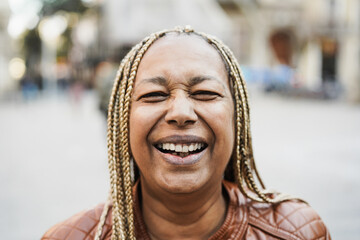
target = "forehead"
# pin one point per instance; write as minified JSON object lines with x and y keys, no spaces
{"x":179,"y":43}
{"x":182,"y":54}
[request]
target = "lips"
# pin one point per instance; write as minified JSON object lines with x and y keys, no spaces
{"x":181,"y":146}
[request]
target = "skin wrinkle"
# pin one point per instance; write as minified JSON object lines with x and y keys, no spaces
{"x":159,"y":80}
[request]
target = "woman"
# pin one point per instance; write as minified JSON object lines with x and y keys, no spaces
{"x":180,"y":154}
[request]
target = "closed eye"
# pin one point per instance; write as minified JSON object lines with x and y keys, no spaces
{"x":205,"y":95}
{"x":153,"y":97}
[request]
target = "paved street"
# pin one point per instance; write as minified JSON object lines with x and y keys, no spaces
{"x":53,"y":159}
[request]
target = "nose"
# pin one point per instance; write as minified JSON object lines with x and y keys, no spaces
{"x":181,"y":111}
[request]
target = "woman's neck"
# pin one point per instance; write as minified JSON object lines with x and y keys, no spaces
{"x":195,"y":215}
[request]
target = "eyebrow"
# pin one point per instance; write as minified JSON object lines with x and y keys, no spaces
{"x":192,"y":82}
{"x":199,"y":79}
{"x":157,"y":80}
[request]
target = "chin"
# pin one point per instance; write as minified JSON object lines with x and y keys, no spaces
{"x":183,"y":183}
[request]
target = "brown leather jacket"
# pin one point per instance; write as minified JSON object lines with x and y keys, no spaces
{"x":245,"y":219}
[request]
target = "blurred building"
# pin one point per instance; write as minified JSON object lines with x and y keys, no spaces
{"x":125,"y":22}
{"x":319,"y":39}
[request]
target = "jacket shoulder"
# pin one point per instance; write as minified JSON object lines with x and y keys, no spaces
{"x":291,"y":219}
{"x":81,"y":226}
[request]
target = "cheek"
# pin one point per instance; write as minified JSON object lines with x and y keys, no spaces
{"x":226,"y":130}
{"x":222,"y":115}
{"x":225,"y":136}
{"x":142,"y":120}
{"x":137,"y":136}
{"x":220,"y":119}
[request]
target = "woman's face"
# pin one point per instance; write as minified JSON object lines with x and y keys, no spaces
{"x":182,"y":116}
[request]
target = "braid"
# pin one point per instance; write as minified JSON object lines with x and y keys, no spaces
{"x":118,"y":145}
{"x":122,"y":161}
{"x":124,"y":140}
{"x":112,"y":146}
{"x":241,"y":168}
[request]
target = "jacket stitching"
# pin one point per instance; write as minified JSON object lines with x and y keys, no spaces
{"x":287,"y":215}
{"x":270,"y":229}
{"x":285,"y":218}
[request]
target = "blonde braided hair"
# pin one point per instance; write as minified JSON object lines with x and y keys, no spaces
{"x":241,"y":168}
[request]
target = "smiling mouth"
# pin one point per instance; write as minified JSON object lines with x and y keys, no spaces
{"x":181,"y":149}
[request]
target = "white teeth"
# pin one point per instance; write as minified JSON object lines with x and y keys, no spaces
{"x":178,"y":148}
{"x":181,"y":147}
{"x":172,"y":147}
{"x":191,"y":147}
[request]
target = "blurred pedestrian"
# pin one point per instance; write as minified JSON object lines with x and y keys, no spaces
{"x":29,"y":89}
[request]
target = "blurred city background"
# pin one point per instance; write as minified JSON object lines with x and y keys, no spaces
{"x":58,"y":58}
